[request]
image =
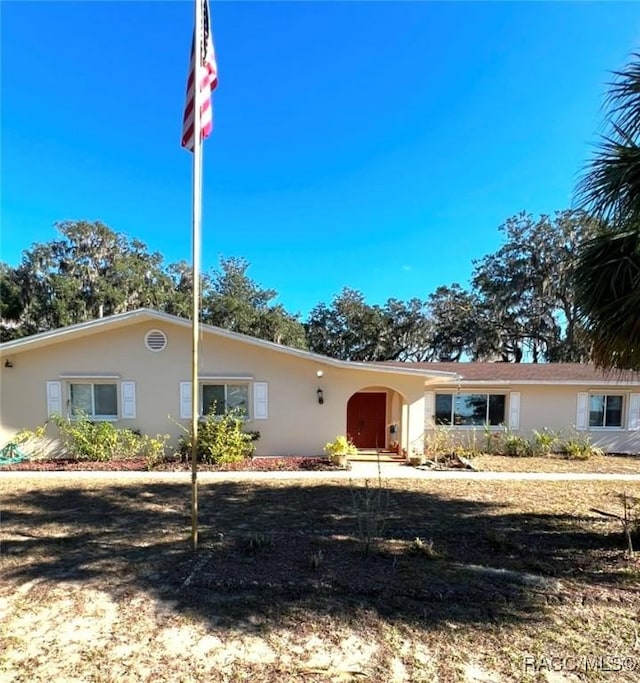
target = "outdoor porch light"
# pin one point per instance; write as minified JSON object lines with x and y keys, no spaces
{"x":8,"y":364}
{"x":319,"y":393}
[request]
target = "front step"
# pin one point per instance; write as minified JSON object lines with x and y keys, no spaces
{"x":373,"y":455}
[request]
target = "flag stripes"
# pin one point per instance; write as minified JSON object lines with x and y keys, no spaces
{"x":206,"y":76}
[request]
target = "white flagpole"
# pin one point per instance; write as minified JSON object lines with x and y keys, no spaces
{"x":196,"y":240}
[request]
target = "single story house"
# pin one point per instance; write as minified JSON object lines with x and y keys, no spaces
{"x":562,"y":397}
{"x":134,"y":369}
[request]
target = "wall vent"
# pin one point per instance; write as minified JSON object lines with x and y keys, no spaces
{"x":155,"y":340}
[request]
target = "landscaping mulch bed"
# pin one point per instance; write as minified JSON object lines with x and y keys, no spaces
{"x":291,"y":464}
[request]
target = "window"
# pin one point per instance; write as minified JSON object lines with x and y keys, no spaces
{"x":216,"y":395}
{"x":605,"y":410}
{"x":94,"y":400}
{"x":444,"y":403}
{"x":220,"y":398}
{"x":470,"y":409}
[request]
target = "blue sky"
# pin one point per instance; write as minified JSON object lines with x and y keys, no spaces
{"x":372,"y":145}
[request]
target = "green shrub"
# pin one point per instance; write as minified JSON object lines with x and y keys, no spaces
{"x":221,"y":439}
{"x":340,"y":446}
{"x":87,"y":440}
{"x":153,"y":449}
{"x":542,"y":443}
{"x":579,"y":447}
{"x":516,"y":446}
{"x":102,"y":441}
{"x":510,"y":444}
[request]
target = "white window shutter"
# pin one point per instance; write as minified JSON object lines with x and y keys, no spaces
{"x":185,"y":400}
{"x":582,"y":420}
{"x":634,"y":411}
{"x":260,"y":401}
{"x":429,"y":409}
{"x":54,"y":398}
{"x":128,"y":395}
{"x":514,"y":410}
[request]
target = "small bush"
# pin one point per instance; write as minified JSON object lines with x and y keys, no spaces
{"x":542,"y":443}
{"x":340,"y":446}
{"x":516,"y":446}
{"x":221,"y":439}
{"x":579,"y":447}
{"x":103,"y":441}
{"x":153,"y":449}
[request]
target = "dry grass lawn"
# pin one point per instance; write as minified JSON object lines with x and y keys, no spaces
{"x":99,"y":582}
{"x":601,"y":464}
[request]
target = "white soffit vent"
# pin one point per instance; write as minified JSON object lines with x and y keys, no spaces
{"x":155,"y":340}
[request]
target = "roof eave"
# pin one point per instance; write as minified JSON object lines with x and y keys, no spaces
{"x":547,"y":382}
{"x":122,"y":319}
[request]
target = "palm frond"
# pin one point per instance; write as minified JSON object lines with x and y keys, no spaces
{"x":623,"y":100}
{"x":607,"y":281}
{"x":610,"y":186}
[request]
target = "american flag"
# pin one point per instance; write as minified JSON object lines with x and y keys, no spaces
{"x":207,"y":79}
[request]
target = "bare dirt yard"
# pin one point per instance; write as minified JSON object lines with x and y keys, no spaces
{"x":470,"y":581}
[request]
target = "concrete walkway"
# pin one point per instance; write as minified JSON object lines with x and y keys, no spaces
{"x":359,"y":470}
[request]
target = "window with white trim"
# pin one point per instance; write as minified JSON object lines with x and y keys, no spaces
{"x":605,"y":410}
{"x":220,"y":398}
{"x":97,"y":400}
{"x":470,"y":410}
{"x":100,"y":398}
{"x":217,"y":395}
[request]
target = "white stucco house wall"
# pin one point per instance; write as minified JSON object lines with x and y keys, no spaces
{"x":134,"y":370}
{"x":562,"y":397}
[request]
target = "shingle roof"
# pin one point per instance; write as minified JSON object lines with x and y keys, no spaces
{"x":531,"y":372}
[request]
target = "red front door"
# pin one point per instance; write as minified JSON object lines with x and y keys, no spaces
{"x":366,"y":419}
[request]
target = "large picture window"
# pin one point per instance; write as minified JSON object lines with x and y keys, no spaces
{"x":474,"y":410}
{"x":220,"y":398}
{"x":95,"y":400}
{"x":605,"y":410}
